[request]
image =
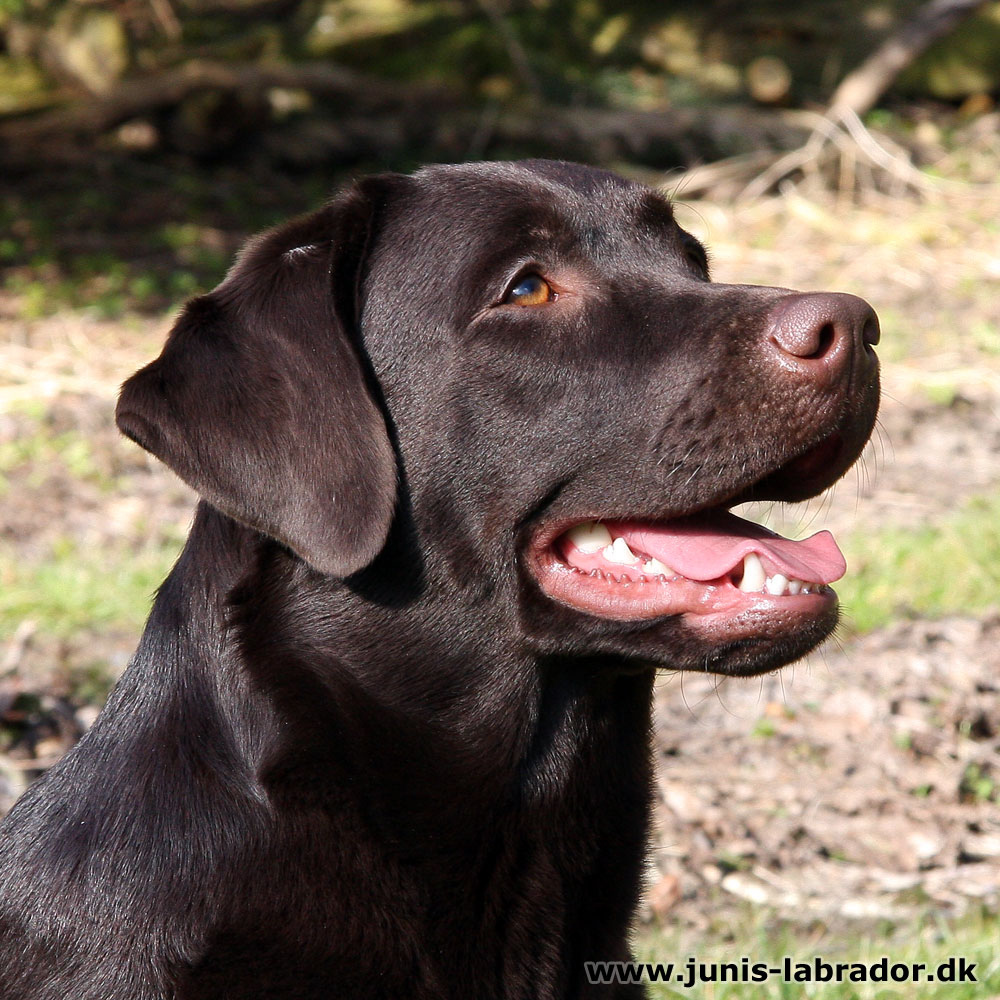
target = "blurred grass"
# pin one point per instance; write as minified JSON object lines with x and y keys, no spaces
{"x":141,"y":239}
{"x":37,"y":453}
{"x":83,"y":574}
{"x":73,"y":588}
{"x":761,"y":939}
{"x":950,"y":566}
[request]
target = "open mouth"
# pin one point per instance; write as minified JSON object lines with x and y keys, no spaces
{"x":712,"y":566}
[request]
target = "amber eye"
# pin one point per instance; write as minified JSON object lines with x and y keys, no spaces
{"x":531,"y":290}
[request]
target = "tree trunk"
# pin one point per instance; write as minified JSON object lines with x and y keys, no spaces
{"x":862,"y":87}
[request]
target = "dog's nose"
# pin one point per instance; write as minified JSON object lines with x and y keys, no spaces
{"x":824,"y":334}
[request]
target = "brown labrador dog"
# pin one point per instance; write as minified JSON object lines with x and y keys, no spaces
{"x":467,"y":443}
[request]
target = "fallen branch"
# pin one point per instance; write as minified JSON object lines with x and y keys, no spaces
{"x":839,"y":134}
{"x":858,"y":92}
{"x":360,"y":117}
{"x":838,"y":140}
{"x":136,"y":98}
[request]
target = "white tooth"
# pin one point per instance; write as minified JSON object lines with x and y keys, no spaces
{"x":754,"y":576}
{"x":589,"y":537}
{"x":656,"y":568}
{"x":795,"y":586}
{"x":619,"y":552}
{"x":776,"y":584}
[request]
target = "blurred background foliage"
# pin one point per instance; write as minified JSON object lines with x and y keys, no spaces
{"x":642,"y":54}
{"x":140,"y":140}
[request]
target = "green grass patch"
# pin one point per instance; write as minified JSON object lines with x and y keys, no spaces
{"x":78,"y":588}
{"x":948,"y":567}
{"x":762,"y":940}
{"x":136,"y":239}
{"x":112,"y":292}
{"x":979,"y":784}
{"x":42,"y":452}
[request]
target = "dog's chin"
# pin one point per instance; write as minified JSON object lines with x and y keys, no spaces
{"x":763,"y":639}
{"x":768,"y":641}
{"x":737,"y":598}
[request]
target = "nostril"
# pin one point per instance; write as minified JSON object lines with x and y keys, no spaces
{"x":827,"y":335}
{"x":871,"y":334}
{"x":805,"y":337}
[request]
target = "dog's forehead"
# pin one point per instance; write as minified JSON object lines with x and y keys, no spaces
{"x":570,"y":186}
{"x":536,"y":199}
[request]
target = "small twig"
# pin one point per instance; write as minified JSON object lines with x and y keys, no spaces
{"x":164,"y":13}
{"x":515,"y":50}
{"x":843,"y":130}
{"x":485,"y":130}
{"x":17,"y":646}
{"x":897,"y":165}
{"x":706,"y":176}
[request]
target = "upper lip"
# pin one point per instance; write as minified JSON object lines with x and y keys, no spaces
{"x":806,"y":473}
{"x":779,"y":483}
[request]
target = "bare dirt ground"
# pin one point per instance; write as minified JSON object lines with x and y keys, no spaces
{"x":845,"y":788}
{"x":858,"y":785}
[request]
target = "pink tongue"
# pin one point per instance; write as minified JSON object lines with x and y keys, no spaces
{"x":709,"y":546}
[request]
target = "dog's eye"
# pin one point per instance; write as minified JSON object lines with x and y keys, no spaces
{"x":696,"y":255}
{"x":531,"y":290}
{"x":698,"y":260}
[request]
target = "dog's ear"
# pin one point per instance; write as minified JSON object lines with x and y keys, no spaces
{"x":259,"y":400}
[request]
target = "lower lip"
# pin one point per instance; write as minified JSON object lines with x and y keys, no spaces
{"x":705,"y":606}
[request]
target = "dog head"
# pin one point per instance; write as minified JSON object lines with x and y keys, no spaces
{"x":529,"y":364}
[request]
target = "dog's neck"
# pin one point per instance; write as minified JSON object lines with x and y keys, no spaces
{"x":488,"y":771}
